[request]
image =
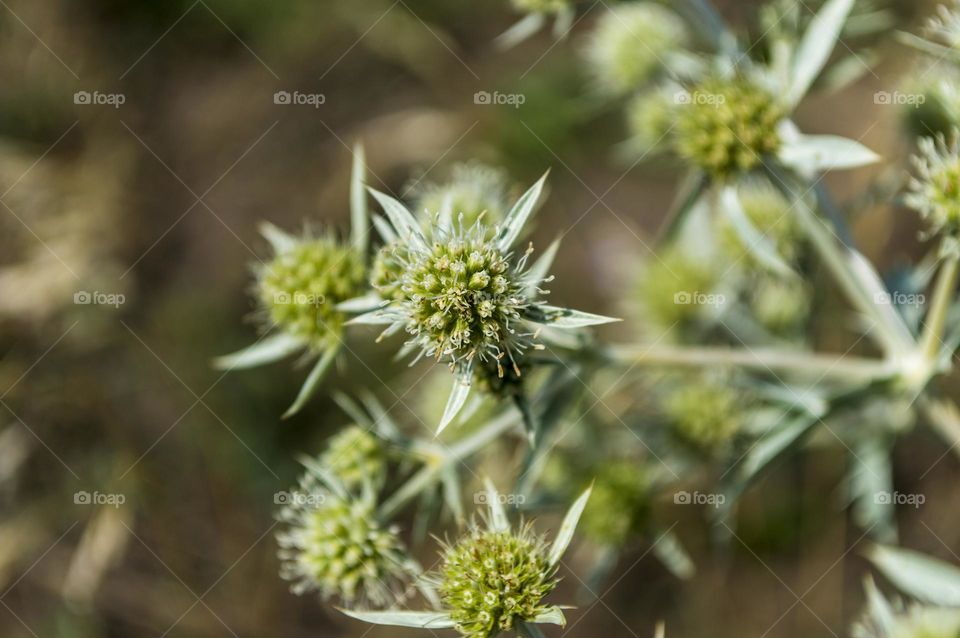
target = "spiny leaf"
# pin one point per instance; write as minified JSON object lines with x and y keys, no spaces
{"x":517,"y":217}
{"x":458,"y":396}
{"x":498,"y":517}
{"x":568,"y":527}
{"x":924,"y":578}
{"x":312,"y":384}
{"x":816,"y":46}
{"x":402,"y":220}
{"x":359,"y":213}
{"x":398,"y":618}
{"x":267,"y":350}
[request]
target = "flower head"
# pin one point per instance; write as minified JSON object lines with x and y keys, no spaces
{"x":301,"y":286}
{"x":474,"y":189}
{"x":770,"y":214}
{"x":630,"y":43}
{"x":707,"y":414}
{"x":669,"y":290}
{"x":491,"y":579}
{"x":619,"y":503}
{"x":935,"y":189}
{"x":650,"y":118}
{"x":726,"y":126}
{"x":355,"y":456}
{"x":335,"y":544}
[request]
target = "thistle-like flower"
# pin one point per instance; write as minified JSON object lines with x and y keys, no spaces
{"x":494,"y":579}
{"x":934,"y":191}
{"x":299,"y":291}
{"x":631,"y":42}
{"x":355,"y":456}
{"x":474,"y":189}
{"x":727,"y":126}
{"x":464,"y":296}
{"x":336,"y":545}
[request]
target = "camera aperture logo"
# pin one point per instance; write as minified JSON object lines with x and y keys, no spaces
{"x":298,"y":299}
{"x":97,"y":298}
{"x":897,"y":298}
{"x":699,"y":98}
{"x":96,"y":98}
{"x":699,"y":498}
{"x":515,"y":500}
{"x":297,"y":98}
{"x":899,"y":98}
{"x":98,"y":498}
{"x":485,"y":98}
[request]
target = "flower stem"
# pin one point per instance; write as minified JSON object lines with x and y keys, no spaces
{"x":943,"y":295}
{"x":768,"y":360}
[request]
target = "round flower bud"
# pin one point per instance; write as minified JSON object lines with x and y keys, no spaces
{"x":706,"y":414}
{"x":473,"y":189}
{"x":725,"y":126}
{"x":781,"y":305}
{"x":670,"y":288}
{"x":935,"y":190}
{"x":354,"y":456}
{"x":462,"y":298}
{"x":301,"y":287}
{"x":630,"y":42}
{"x":491,"y":580}
{"x":541,"y":6}
{"x":618,"y":504}
{"x":338,"y":548}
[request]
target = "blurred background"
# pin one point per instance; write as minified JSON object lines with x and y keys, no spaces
{"x":141,"y":143}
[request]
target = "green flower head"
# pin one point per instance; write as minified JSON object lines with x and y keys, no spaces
{"x":669,"y":289}
{"x":463,"y":295}
{"x":934,"y":191}
{"x":474,"y":189}
{"x":650,"y":118}
{"x":492,"y":579}
{"x":726,"y":126}
{"x":707,"y":414}
{"x":335,"y":544}
{"x":771,"y":215}
{"x":355,"y":456}
{"x":619,"y":503}
{"x":630,"y":43}
{"x":302,"y":285}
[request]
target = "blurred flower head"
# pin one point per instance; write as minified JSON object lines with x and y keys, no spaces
{"x":705,"y":412}
{"x":631,"y":42}
{"x":301,"y":286}
{"x":726,"y":126}
{"x":355,"y":456}
{"x":934,"y":191}
{"x":618,"y":504}
{"x":474,"y":189}
{"x":335,"y":544}
{"x":650,"y":117}
{"x":770,"y":214}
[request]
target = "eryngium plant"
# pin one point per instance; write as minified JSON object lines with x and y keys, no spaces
{"x":299,"y":290}
{"x":493,"y":579}
{"x":464,"y":294}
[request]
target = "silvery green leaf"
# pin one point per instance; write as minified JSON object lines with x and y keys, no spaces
{"x":528,"y":630}
{"x":760,"y":246}
{"x":816,"y":46}
{"x":770,"y":446}
{"x":445,"y":216}
{"x":267,"y":350}
{"x":450,"y":482}
{"x":563,"y":22}
{"x":498,"y":517}
{"x":540,"y":268}
{"x":811,"y":154}
{"x":565,"y":317}
{"x":879,"y":610}
{"x":312,"y":384}
{"x":280,"y":240}
{"x":375,"y":318}
{"x":924,"y":578}
{"x":352,"y":409}
{"x":416,"y":484}
{"x":359,"y":213}
{"x":926,"y":46}
{"x":399,"y":618}
{"x":520,"y":31}
{"x":367,"y":303}
{"x":877,"y":292}
{"x":458,"y":396}
{"x":689,"y":196}
{"x":870,"y":479}
{"x":672,"y":554}
{"x":327,"y":478}
{"x":384,"y":229}
{"x":568,"y":527}
{"x":402,"y":220}
{"x":517,"y":218}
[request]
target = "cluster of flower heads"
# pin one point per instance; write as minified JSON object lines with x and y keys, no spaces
{"x":335,"y":542}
